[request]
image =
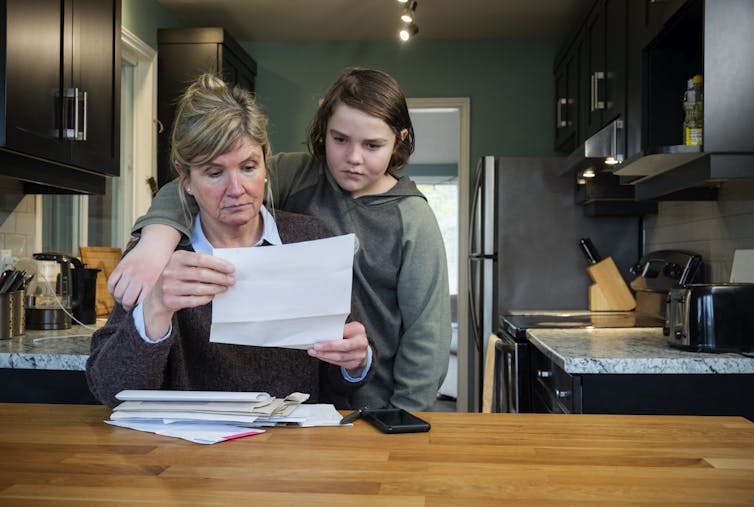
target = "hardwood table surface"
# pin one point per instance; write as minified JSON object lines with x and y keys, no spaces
{"x":67,"y":455}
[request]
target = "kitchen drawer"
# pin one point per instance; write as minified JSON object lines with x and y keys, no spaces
{"x":553,"y":387}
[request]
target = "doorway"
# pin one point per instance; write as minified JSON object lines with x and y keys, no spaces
{"x":429,"y":143}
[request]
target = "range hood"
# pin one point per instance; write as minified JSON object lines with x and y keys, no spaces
{"x":605,"y":148}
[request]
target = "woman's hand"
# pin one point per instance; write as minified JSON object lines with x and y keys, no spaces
{"x":189,"y":280}
{"x":138,"y":271}
{"x":349,"y":353}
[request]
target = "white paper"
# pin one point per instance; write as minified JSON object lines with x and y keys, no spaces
{"x":200,"y":433}
{"x":171,"y":395}
{"x":209,"y":432}
{"x":286,"y":296}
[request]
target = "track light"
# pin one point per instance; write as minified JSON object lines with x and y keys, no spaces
{"x":408,"y":12}
{"x":408,"y":17}
{"x":409,"y":31}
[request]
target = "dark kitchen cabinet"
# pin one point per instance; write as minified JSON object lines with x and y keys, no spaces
{"x":183,"y":54}
{"x":567,"y":97}
{"x":60,"y":113}
{"x":604,"y":54}
{"x":556,"y":391}
{"x":710,"y":38}
{"x":590,"y":75}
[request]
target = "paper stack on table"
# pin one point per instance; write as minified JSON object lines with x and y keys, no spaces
{"x":208,"y":417}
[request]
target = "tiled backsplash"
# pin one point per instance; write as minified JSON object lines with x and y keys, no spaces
{"x":712,"y":229}
{"x":16,"y":218}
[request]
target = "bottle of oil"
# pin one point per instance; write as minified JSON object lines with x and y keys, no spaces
{"x":693,"y":106}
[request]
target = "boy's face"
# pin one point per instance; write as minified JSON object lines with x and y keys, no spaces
{"x":358,"y":147}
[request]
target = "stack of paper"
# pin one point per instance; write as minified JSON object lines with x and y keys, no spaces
{"x":211,"y":416}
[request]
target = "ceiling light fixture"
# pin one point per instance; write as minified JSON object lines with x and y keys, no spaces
{"x":408,"y":12}
{"x":408,"y":17}
{"x":409,"y":31}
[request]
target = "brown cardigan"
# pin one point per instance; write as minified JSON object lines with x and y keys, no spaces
{"x":121,"y":359}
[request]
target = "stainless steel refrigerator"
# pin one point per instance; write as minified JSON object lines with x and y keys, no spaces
{"x":524,"y":246}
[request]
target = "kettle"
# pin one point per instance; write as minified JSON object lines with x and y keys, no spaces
{"x":57,"y":293}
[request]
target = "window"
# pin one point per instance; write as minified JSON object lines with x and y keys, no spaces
{"x":443,"y":199}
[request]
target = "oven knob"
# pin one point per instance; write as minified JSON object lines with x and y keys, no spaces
{"x":544,"y":373}
{"x":562,"y":394}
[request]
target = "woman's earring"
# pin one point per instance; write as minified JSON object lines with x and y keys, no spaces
{"x":188,"y":190}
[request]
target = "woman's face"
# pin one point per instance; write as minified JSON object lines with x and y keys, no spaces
{"x":229,"y":190}
{"x":358,"y":148}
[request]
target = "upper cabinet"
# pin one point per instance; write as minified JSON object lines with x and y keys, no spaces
{"x":60,"y":111}
{"x":183,"y":54}
{"x":712,"y":38}
{"x":650,"y":49}
{"x":604,"y":51}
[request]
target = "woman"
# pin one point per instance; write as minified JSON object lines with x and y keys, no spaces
{"x":219,"y":150}
{"x":361,"y":137}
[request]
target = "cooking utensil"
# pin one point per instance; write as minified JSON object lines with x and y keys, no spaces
{"x":590,"y":252}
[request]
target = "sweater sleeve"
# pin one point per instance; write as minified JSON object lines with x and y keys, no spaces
{"x":421,"y":361}
{"x":166,"y":209}
{"x":120,"y":359}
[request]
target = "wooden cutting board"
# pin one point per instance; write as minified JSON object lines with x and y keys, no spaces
{"x":609,"y":292}
{"x":105,"y":259}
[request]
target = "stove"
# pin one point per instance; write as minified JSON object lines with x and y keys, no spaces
{"x":516,"y":324}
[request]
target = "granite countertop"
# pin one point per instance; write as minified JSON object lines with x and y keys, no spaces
{"x":629,"y":351}
{"x":63,"y":349}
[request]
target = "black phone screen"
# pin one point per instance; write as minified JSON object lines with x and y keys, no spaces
{"x":396,"y":420}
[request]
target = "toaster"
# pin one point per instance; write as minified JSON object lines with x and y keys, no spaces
{"x":711,"y":317}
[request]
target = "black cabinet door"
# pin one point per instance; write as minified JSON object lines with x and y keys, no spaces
{"x":95,"y":71}
{"x":567,"y":99}
{"x":605,"y":64}
{"x":594,"y":79}
{"x":62,"y":83}
{"x":32,"y":79}
{"x":616,"y":24}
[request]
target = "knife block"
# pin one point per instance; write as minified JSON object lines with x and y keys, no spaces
{"x":609,"y":291}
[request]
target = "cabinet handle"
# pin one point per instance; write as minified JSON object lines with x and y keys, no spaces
{"x":562,"y":394}
{"x":86,"y":116}
{"x":75,"y":114}
{"x":544,"y":373}
{"x":560,"y":122}
{"x":596,"y":103}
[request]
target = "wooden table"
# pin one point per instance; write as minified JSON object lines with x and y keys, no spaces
{"x":66,"y":455}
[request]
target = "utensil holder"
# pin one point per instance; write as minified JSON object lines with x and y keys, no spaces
{"x":12,"y":314}
{"x":609,"y":291}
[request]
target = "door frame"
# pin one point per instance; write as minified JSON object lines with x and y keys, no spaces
{"x":463,"y":106}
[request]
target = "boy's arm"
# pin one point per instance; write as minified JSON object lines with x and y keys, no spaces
{"x":159,"y":232}
{"x":139,"y":269}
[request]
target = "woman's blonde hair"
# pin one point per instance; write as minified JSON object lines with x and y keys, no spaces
{"x":211,"y":118}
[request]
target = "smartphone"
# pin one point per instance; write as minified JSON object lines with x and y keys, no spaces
{"x":395,"y":420}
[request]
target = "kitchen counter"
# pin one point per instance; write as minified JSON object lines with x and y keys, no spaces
{"x":47,"y":366}
{"x":629,"y":351}
{"x":60,"y":349}
{"x":66,"y":455}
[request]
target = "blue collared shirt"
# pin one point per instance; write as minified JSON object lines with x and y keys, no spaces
{"x":200,"y":244}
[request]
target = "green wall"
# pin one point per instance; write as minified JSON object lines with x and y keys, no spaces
{"x":509,"y":81}
{"x":144,"y":17}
